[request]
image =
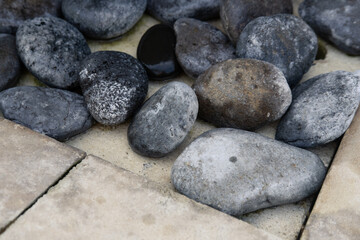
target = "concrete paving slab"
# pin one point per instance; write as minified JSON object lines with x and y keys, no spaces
{"x":29,"y":164}
{"x":98,"y":200}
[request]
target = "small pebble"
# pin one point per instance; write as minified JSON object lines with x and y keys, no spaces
{"x":236,"y":14}
{"x":103,"y":19}
{"x":283,"y":40}
{"x":237,"y":172}
{"x":114,"y":85}
{"x":336,"y":21}
{"x":322,"y":110}
{"x":60,"y":114}
{"x":164,"y":120}
{"x":199,"y":45}
{"x":51,"y":50}
{"x":10,"y":65}
{"x":156,"y":51}
{"x":242,"y":93}
{"x":168,"y":11}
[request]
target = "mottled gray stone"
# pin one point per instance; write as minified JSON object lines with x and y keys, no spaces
{"x":60,"y":114}
{"x":114,"y":85}
{"x":236,"y":14}
{"x":322,"y":109}
{"x":283,"y":40}
{"x":168,"y":11}
{"x":164,"y":120}
{"x":242,"y":93}
{"x":336,"y":21}
{"x":52,"y":49}
{"x":10,"y":65}
{"x":238,"y":172}
{"x":200,"y":45}
{"x":103,"y":19}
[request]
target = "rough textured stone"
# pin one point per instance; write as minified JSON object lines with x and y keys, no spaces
{"x":103,"y":19}
{"x":114,"y":85}
{"x":335,"y":21}
{"x":164,"y":120}
{"x":10,"y":65}
{"x":238,"y":172}
{"x":51,"y":49}
{"x":30,"y":163}
{"x":57,"y":113}
{"x":199,"y":45}
{"x":322,"y":109}
{"x":168,"y":11}
{"x":242,"y":93}
{"x":236,"y":14}
{"x":14,"y":12}
{"x":283,"y":40}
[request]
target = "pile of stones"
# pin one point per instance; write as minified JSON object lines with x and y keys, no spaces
{"x":244,"y":79}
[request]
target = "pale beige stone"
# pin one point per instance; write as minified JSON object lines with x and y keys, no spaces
{"x":98,"y":200}
{"x":29,"y":164}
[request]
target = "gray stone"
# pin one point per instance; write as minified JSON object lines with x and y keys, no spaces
{"x":114,"y":85}
{"x":238,"y":172}
{"x":336,"y":21}
{"x":52,"y":49}
{"x":103,"y":19}
{"x":283,"y":40}
{"x":57,"y":113}
{"x":236,"y":14}
{"x":242,"y":93}
{"x":199,"y":45}
{"x":322,"y":109}
{"x":164,"y":120}
{"x":10,"y":65}
{"x":168,"y":11}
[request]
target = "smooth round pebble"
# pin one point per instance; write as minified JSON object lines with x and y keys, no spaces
{"x":10,"y":65}
{"x":242,"y":93}
{"x":114,"y":85}
{"x":100,"y":19}
{"x":199,"y":45}
{"x":164,"y":120}
{"x":60,"y":114}
{"x":168,"y":11}
{"x":238,"y":172}
{"x":322,"y":110}
{"x":283,"y":40}
{"x":156,"y":51}
{"x":335,"y":21}
{"x":51,"y":50}
{"x":236,"y":14}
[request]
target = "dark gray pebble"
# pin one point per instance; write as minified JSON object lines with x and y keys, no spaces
{"x":164,"y":120}
{"x":283,"y":40}
{"x":100,"y":19}
{"x":200,"y":45}
{"x":114,"y":85}
{"x":322,"y":109}
{"x":60,"y":114}
{"x":52,"y":49}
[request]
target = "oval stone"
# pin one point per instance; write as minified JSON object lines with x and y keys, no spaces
{"x":10,"y":65}
{"x":114,"y":85}
{"x":283,"y":40}
{"x":164,"y":120}
{"x":60,"y":114}
{"x":51,"y":50}
{"x":100,"y":19}
{"x":242,"y":93}
{"x":237,"y":172}
{"x":322,"y":109}
{"x":199,"y":45}
{"x":236,"y":14}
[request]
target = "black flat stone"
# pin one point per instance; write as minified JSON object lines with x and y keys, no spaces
{"x":156,"y":51}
